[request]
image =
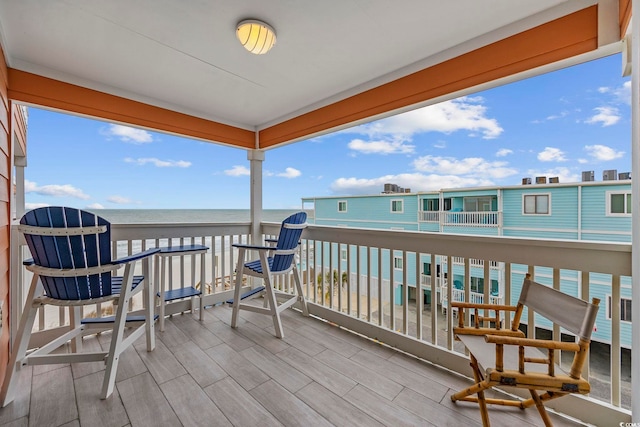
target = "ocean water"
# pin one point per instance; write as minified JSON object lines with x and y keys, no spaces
{"x":139,"y":216}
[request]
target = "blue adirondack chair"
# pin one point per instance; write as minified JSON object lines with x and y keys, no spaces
{"x":72,"y":267}
{"x":272,"y":261}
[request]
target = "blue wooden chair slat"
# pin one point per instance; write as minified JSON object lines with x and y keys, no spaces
{"x":281,"y":263}
{"x":63,"y":240}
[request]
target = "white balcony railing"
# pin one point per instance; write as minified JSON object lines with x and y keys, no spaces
{"x":471,"y":219}
{"x":429,"y":216}
{"x":392,"y":310}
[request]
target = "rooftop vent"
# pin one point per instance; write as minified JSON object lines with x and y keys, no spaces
{"x":610,"y":175}
{"x":541,"y":179}
{"x":526,"y":181}
{"x":554,"y":180}
{"x":587,"y":176}
{"x":624,"y":175}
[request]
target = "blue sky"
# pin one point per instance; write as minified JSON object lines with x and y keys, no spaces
{"x":558,"y":124}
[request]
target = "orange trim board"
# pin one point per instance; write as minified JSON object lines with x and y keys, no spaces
{"x":562,"y":38}
{"x":39,"y":90}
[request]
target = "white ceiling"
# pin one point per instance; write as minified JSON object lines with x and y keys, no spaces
{"x":183,"y":54}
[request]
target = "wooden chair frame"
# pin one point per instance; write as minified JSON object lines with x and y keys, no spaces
{"x":521,"y":371}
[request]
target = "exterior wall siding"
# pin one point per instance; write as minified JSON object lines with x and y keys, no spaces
{"x":5,"y":211}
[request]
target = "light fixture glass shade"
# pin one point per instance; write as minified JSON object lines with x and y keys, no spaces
{"x":256,"y":36}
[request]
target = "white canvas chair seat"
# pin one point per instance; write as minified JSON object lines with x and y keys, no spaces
{"x":485,"y":354}
{"x":505,"y":358}
{"x":278,"y":260}
{"x":72,"y":267}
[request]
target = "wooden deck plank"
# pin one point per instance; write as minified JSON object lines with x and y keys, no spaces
{"x":53,"y":398}
{"x":161,"y":362}
{"x":263,"y":337}
{"x":198,"y":364}
{"x":286,"y":407}
{"x":434,"y":412}
{"x":239,"y":368}
{"x":172,"y":336}
{"x":238,"y":405}
{"x":317,"y":371}
{"x":302,"y":343}
{"x":334,"y":408}
{"x":94,"y":411}
{"x":336,"y":344}
{"x":191,"y":403}
{"x":381,"y":409}
{"x":145,"y":403}
{"x":369,"y":378}
{"x":20,"y":422}
{"x":288,"y":377}
{"x":411,"y":379}
{"x":197,"y":332}
{"x":89,"y":344}
{"x":20,"y":406}
{"x":229,"y":336}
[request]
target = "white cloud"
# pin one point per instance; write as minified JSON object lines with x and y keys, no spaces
{"x":440,"y":144}
{"x":603,"y":153}
{"x":622,"y":93}
{"x":414,"y":181}
{"x":471,"y":166}
{"x":54,"y":190}
{"x":564,"y":174}
{"x":128,"y":134}
{"x":583,"y":161}
{"x":504,"y":152}
{"x":159,"y":163}
{"x":550,"y":154}
{"x":95,"y":206}
{"x":466,"y":113}
{"x":606,"y":116}
{"x":120,"y":200}
{"x":238,"y":171}
{"x":381,"y":147}
{"x":290,"y":173}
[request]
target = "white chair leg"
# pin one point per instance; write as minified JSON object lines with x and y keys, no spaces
{"x":20,"y":344}
{"x":149,"y":305}
{"x":301,"y":298}
{"x":115,"y":349}
{"x":270,"y":295}
{"x":162,"y":290}
{"x":74,"y":323}
{"x":238,"y":286}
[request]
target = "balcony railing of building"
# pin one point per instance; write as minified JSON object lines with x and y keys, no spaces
{"x":392,"y":310}
{"x":466,"y":219}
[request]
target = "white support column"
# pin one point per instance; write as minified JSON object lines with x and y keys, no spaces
{"x":16,"y":276}
{"x":256,"y":157}
{"x":635,"y":226}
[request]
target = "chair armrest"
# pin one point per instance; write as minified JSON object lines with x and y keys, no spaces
{"x":253,"y":247}
{"x":484,"y":306}
{"x":137,"y":256}
{"x":29,"y":261}
{"x":530,"y":342}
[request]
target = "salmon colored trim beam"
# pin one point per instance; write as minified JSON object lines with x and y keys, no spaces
{"x":46,"y":92}
{"x":624,"y":13}
{"x":565,"y":37}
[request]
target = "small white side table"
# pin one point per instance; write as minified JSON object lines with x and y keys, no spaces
{"x":183,"y":292}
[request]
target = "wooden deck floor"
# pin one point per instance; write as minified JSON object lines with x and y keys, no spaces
{"x":209,"y":374}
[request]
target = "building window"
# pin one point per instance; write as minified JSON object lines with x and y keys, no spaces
{"x":619,"y":203}
{"x":430,"y":205}
{"x":536,"y":204}
{"x":396,"y":206}
{"x":625,"y":308}
{"x":342,"y":206}
{"x":397,"y":263}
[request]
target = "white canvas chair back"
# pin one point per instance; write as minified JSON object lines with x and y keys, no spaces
{"x":573,"y":314}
